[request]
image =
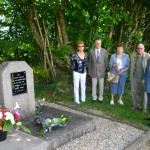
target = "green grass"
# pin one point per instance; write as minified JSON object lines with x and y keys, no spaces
{"x":61,"y":91}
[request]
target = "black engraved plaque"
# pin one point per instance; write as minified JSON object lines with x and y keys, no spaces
{"x":18,"y":81}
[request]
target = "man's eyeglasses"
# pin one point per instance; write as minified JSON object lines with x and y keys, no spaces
{"x":80,"y":46}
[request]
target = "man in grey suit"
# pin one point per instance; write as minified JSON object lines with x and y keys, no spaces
{"x":97,"y":67}
{"x":138,"y":65}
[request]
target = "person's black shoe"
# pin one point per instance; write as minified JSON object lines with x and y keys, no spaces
{"x":93,"y":101}
{"x":148,"y":119}
{"x":100,"y":101}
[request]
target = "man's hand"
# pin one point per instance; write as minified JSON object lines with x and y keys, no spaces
{"x":143,"y":82}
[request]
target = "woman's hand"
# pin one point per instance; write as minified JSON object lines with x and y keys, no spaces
{"x":143,"y":82}
{"x":121,"y":71}
{"x":114,"y":65}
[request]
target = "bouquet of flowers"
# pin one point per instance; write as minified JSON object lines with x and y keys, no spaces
{"x":48,"y":123}
{"x":10,"y":118}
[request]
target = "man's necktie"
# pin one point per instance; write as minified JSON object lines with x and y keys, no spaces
{"x":97,"y":54}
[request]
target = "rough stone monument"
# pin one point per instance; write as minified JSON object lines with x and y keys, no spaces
{"x":17,"y":85}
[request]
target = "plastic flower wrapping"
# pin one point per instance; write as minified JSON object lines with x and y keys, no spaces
{"x":10,"y":118}
{"x":49,"y":123}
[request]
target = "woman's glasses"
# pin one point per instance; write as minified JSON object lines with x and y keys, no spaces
{"x":80,"y":46}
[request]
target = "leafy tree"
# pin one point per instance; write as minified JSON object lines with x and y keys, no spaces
{"x":45,"y":32}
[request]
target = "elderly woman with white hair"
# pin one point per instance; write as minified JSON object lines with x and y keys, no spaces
{"x":119,"y":63}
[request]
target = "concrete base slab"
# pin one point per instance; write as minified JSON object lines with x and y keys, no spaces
{"x":140,"y":142}
{"x":18,"y":140}
{"x":77,"y":126}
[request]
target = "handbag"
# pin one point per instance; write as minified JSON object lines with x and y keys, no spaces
{"x":113,"y":77}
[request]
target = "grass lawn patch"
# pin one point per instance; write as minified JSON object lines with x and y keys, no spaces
{"x":60,"y":91}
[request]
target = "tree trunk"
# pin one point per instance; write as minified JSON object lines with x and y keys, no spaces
{"x":136,"y":8}
{"x":59,"y":31}
{"x":112,"y":27}
{"x":49,"y":55}
{"x":62,"y":31}
{"x":122,"y":23}
{"x":41,"y":39}
{"x":33,"y":27}
{"x":61,"y":23}
{"x":121,"y":32}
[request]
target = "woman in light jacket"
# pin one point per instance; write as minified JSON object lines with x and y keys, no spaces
{"x":79,"y":67}
{"x":119,"y":62}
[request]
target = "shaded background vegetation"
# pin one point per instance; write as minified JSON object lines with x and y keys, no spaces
{"x":44,"y":33}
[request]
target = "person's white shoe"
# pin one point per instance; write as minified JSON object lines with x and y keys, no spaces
{"x":120,"y":102}
{"x":82,"y":100}
{"x":112,"y":102}
{"x":77,"y":102}
{"x":100,"y":99}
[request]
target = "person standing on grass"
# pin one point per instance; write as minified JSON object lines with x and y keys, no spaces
{"x":97,"y":67}
{"x":138,"y":65}
{"x":79,"y":67}
{"x":146,"y":83}
{"x":120,"y":63}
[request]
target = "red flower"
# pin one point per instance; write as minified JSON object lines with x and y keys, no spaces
{"x":3,"y":110}
{"x":16,"y":114}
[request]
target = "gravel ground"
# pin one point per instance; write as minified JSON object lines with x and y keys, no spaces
{"x":109,"y":135}
{"x":146,"y":146}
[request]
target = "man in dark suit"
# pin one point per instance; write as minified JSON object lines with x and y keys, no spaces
{"x":97,"y":67}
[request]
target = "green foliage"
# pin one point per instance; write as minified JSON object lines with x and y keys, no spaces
{"x":25,"y":129}
{"x":60,"y":52}
{"x":41,"y":133}
{"x":137,"y":37}
{"x":84,"y":20}
{"x":7,"y":125}
{"x":60,"y":121}
{"x":41,"y":75}
{"x":12,"y":50}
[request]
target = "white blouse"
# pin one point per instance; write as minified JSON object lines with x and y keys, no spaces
{"x":119,"y":62}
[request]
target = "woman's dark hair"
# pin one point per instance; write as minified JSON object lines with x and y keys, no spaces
{"x":119,"y":45}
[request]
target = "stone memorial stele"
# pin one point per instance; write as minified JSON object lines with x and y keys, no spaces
{"x":17,"y":86}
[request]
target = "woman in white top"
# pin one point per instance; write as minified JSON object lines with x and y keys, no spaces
{"x":119,"y":62}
